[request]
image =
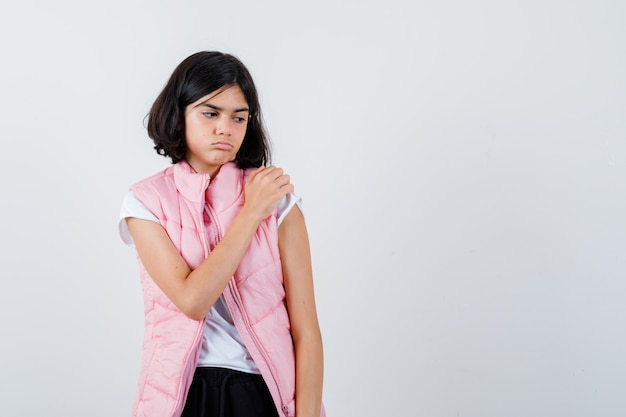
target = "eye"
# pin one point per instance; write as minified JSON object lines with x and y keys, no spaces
{"x":209,"y":114}
{"x":239,"y":119}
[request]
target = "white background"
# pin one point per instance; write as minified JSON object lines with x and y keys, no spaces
{"x":462,"y":166}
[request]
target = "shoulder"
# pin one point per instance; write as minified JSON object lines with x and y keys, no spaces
{"x":156,"y":186}
{"x":153,"y":180}
{"x":132,"y":207}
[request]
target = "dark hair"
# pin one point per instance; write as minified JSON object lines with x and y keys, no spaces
{"x":195,"y":77}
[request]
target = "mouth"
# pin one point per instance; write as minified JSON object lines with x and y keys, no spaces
{"x":224,"y":146}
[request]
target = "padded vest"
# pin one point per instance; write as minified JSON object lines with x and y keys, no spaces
{"x":255,"y":296}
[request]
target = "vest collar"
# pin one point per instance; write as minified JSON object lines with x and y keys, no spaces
{"x":225,"y":188}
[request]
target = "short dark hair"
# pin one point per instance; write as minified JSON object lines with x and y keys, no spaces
{"x":195,"y":77}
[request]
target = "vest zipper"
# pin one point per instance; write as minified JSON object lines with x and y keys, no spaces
{"x":235,"y":296}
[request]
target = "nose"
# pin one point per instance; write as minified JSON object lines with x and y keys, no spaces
{"x":222,"y":126}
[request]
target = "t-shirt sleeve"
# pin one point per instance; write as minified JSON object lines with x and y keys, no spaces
{"x":286,"y":205}
{"x":131,"y":207}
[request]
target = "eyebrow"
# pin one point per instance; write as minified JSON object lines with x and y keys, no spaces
{"x":242,"y":109}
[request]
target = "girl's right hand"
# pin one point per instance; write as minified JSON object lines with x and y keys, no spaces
{"x":265,"y":188}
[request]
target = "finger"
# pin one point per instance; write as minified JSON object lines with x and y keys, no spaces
{"x":289,"y":188}
{"x":272,"y":172}
{"x":283,"y":180}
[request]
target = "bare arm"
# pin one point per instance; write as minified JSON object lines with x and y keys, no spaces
{"x":194,"y":292}
{"x":298,"y":276}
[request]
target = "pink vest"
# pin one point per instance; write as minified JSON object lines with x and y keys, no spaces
{"x":255,"y":296}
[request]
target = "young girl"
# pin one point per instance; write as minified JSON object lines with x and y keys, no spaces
{"x":230,"y":320}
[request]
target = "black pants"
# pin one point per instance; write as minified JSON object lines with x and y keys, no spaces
{"x":219,"y":392}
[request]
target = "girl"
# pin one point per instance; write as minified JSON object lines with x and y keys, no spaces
{"x":230,"y":320}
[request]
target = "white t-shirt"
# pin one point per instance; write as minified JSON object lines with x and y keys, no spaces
{"x":221,"y":345}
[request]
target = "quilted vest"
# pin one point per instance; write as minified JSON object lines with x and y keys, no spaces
{"x":255,"y":296}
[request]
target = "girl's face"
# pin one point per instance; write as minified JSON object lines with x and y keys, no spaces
{"x":215,"y":127}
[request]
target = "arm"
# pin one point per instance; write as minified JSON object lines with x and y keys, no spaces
{"x":298,"y":277}
{"x":194,"y":292}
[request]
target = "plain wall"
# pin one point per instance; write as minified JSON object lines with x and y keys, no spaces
{"x":462,"y":167}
